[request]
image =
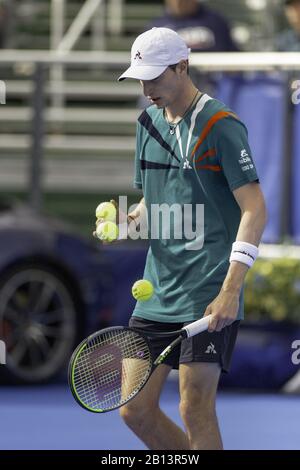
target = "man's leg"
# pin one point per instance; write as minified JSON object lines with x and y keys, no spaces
{"x":144,"y":417}
{"x":198,"y":387}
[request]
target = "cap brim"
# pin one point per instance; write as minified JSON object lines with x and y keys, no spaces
{"x":143,"y":72}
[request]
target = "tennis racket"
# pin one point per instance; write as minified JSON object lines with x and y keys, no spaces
{"x":110,"y":367}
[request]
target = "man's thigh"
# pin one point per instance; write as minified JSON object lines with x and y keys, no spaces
{"x":199,"y":381}
{"x":148,"y":397}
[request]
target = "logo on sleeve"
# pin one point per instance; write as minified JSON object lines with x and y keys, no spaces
{"x":245,"y":161}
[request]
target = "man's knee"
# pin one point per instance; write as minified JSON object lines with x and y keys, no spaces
{"x":198,"y":388}
{"x":197,"y":405}
{"x":137,"y":416}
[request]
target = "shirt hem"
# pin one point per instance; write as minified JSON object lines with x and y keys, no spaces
{"x":171,"y":318}
{"x":241,"y":183}
{"x":164,"y":318}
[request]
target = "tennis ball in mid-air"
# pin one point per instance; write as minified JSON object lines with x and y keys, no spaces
{"x":106,"y":211}
{"x":142,"y":290}
{"x":107,"y":231}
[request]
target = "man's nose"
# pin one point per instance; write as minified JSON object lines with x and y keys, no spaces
{"x":146,"y":88}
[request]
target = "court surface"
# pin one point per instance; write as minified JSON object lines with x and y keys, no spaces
{"x":48,"y":418}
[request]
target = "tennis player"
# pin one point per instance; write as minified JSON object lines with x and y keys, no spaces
{"x":191,"y":149}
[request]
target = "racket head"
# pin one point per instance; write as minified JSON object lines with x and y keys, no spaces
{"x":109,"y":368}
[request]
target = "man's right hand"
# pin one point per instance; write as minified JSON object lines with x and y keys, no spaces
{"x":121,"y":218}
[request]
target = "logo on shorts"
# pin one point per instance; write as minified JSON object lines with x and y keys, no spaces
{"x":211,"y":349}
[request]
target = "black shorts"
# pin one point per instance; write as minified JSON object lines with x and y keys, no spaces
{"x":205,"y":347}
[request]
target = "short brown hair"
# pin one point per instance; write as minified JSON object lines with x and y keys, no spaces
{"x":173,"y":67}
{"x":290,"y":2}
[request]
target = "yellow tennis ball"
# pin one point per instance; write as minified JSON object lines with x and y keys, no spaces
{"x":107,"y":231}
{"x":106,"y":211}
{"x":142,"y":290}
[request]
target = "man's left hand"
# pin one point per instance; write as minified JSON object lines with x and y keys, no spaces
{"x":223,"y":310}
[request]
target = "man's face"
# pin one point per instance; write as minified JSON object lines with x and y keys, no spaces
{"x":163,"y":90}
{"x":182,"y":7}
{"x":292,"y":12}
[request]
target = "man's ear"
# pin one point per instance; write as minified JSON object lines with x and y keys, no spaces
{"x":183,"y":65}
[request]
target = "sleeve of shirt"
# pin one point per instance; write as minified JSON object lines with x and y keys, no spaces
{"x":137,"y":183}
{"x":234,"y":153}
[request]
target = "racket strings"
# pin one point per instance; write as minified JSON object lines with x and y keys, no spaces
{"x":111,"y":369}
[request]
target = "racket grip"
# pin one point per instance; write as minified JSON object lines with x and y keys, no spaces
{"x":197,"y":326}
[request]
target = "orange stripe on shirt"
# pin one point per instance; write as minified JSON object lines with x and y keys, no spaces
{"x":210,"y":167}
{"x":210,"y":123}
{"x":209,"y":153}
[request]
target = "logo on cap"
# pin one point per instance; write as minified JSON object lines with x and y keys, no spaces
{"x":138,"y":55}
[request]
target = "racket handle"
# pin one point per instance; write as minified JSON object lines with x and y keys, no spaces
{"x":197,"y":326}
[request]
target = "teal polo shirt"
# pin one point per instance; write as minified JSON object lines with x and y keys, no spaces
{"x":193,"y":170}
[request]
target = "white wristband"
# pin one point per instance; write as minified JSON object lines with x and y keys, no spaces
{"x":244,"y":252}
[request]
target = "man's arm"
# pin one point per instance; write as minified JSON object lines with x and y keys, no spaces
{"x":138,"y":215}
{"x":138,"y":211}
{"x":225,"y":306}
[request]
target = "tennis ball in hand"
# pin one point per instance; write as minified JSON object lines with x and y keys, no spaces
{"x":142,"y":290}
{"x":106,"y":211}
{"x":107,"y":231}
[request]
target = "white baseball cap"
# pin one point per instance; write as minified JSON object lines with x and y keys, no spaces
{"x":153,"y":51}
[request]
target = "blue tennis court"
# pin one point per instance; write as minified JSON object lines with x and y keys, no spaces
{"x":48,"y":418}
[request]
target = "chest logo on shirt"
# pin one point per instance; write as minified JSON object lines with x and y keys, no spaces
{"x":186,"y":165}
